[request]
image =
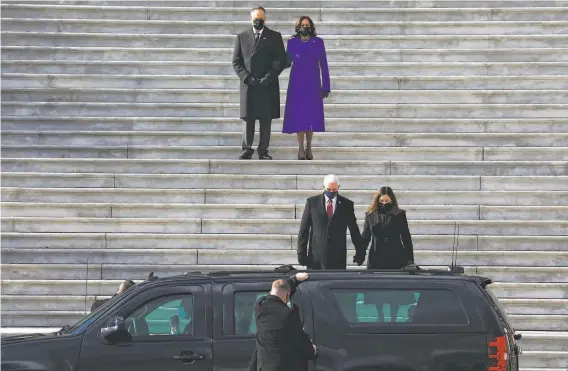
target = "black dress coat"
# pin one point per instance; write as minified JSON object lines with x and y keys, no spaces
{"x":391,"y":243}
{"x":263,"y":59}
{"x":281,"y":343}
{"x":322,"y":241}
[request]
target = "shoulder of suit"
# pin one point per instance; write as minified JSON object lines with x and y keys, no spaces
{"x":316,"y":197}
{"x":346,"y":200}
{"x":245,"y":32}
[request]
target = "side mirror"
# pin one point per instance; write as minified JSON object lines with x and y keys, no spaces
{"x":115,"y":330}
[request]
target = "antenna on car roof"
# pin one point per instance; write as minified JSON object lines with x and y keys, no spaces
{"x":454,"y":268}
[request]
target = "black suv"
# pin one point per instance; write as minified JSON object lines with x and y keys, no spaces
{"x":359,"y":320}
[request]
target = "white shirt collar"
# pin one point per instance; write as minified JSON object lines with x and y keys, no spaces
{"x":255,"y":31}
{"x":333,"y":201}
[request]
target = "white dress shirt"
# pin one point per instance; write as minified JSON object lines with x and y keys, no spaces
{"x":259,"y":32}
{"x":333,"y":202}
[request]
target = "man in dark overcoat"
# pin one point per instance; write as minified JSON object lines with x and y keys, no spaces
{"x":322,"y":242}
{"x":258,"y":59}
{"x":281,"y":343}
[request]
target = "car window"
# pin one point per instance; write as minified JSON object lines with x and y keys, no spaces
{"x":245,"y":324}
{"x":166,"y":315}
{"x":427,"y":307}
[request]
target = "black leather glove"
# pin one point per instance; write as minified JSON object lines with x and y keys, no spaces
{"x":324,"y":94}
{"x":302,"y":260}
{"x":358,"y":259}
{"x":252,"y":81}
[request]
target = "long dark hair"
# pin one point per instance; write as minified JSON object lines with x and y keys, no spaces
{"x":299,"y":24}
{"x":384,"y":191}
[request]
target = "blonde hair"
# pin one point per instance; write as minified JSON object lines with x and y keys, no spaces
{"x":280,"y":286}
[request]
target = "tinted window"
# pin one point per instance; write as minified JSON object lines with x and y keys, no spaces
{"x":167,"y":315}
{"x":425,"y":307}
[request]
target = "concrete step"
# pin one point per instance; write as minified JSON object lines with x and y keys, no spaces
{"x":543,"y":360}
{"x":95,"y":241}
{"x":344,"y":69}
{"x":267,"y":226}
{"x":113,"y":271}
{"x":149,"y":40}
{"x":240,"y":211}
{"x":289,"y":11}
{"x":65,"y":23}
{"x":158,"y":139}
{"x":228,"y":124}
{"x":389,"y":6}
{"x":224,"y":96}
{"x":107,"y":287}
{"x":352,"y":111}
{"x":456,"y":84}
{"x":63,"y":53}
{"x":283,"y":167}
{"x":276,"y":197}
{"x":544,"y":341}
{"x":290,"y":153}
{"x":221,"y":181}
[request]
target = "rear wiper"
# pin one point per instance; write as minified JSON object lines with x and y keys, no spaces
{"x":63,"y":329}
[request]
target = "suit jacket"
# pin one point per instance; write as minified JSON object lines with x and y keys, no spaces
{"x":322,"y":240}
{"x":263,"y":59}
{"x":391,"y":246}
{"x":281,"y":343}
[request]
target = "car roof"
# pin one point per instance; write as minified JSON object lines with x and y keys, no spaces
{"x":315,"y":275}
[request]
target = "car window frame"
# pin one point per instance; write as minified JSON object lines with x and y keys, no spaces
{"x":457,"y":288}
{"x":198,"y":290}
{"x":228,"y":291}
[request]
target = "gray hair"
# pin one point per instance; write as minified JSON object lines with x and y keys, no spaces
{"x":331,"y":178}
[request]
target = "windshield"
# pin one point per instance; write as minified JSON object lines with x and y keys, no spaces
{"x":84,"y":322}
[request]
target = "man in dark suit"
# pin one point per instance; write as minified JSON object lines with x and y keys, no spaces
{"x":322,"y":242}
{"x":281,"y":343}
{"x":258,"y":60}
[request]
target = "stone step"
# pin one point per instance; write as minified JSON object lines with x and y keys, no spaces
{"x":389,"y":6}
{"x":228,"y":124}
{"x":108,"y":287}
{"x":544,"y":341}
{"x":268,"y":226}
{"x":213,"y":69}
{"x":244,"y":211}
{"x":341,"y":84}
{"x":158,"y":139}
{"x":149,"y":40}
{"x":222,"y":26}
{"x":276,"y":197}
{"x":291,"y":153}
{"x":223,"y":96}
{"x":545,"y":360}
{"x":113,"y":271}
{"x":352,"y":111}
{"x":69,"y":53}
{"x":221,"y":181}
{"x":256,"y":241}
{"x":290,"y":11}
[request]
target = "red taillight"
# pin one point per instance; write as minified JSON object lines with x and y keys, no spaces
{"x":498,"y":354}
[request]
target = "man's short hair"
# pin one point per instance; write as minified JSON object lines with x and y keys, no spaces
{"x":281,"y":286}
{"x":258,"y":8}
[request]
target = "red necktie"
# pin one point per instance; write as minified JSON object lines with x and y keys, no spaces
{"x":329,"y":208}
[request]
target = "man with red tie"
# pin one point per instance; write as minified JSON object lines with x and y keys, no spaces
{"x":322,"y":241}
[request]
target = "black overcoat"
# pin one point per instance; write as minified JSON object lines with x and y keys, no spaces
{"x":391,"y":243}
{"x":281,"y":343}
{"x":267,"y":58}
{"x":322,"y":239}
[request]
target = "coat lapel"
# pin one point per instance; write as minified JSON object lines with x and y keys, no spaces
{"x":260,"y":42}
{"x":338,"y":206}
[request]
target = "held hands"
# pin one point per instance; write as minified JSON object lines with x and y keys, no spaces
{"x":252,"y":81}
{"x":324,"y":94}
{"x":301,"y":277}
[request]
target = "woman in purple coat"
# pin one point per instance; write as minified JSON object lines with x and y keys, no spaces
{"x":304,"y":101}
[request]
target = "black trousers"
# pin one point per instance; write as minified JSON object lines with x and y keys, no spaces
{"x":248,"y":134}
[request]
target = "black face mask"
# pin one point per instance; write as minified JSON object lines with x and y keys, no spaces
{"x":258,"y":24}
{"x":386,"y":207}
{"x":305,"y":31}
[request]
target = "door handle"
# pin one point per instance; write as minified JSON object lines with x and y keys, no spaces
{"x":189,"y":357}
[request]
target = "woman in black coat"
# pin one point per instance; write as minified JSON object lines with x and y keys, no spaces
{"x":386,"y":228}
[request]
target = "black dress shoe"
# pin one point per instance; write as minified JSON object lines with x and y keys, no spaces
{"x":265,"y":156}
{"x":247,"y":154}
